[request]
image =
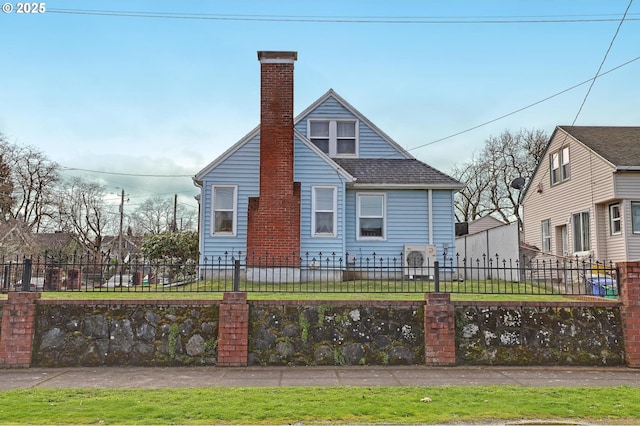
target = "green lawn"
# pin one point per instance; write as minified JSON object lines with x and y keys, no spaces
{"x":320,"y":405}
{"x":136,"y":295}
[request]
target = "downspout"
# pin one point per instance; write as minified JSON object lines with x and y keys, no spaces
{"x":430,"y":200}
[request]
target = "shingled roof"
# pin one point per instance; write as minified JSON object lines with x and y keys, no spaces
{"x":388,"y":171}
{"x":618,"y":145}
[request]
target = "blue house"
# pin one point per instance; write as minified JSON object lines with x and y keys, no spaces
{"x":325,"y":181}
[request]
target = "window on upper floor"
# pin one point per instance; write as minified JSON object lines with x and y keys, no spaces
{"x":546,"y":236}
{"x":581,"y":232}
{"x":615,"y":219}
{"x":337,"y":138}
{"x":635,"y":217}
{"x":323,"y":221}
{"x":371,"y":216}
{"x":224,"y":208}
{"x":559,"y":165}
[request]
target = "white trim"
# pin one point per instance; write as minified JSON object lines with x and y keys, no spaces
{"x":332,"y":94}
{"x":334,"y":211}
{"x":277,"y":61}
{"x":430,"y":201}
{"x":333,"y":135}
{"x":212,"y":219}
{"x":573,"y":233}
{"x":360,"y":195}
{"x":335,"y":166}
{"x":385,"y":186}
{"x":618,"y":219}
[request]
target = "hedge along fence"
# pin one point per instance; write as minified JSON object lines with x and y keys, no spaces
{"x":163,"y":333}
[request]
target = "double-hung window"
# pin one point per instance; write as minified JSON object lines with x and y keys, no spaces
{"x":371,"y":216}
{"x":559,"y":166}
{"x":581,"y":234}
{"x":615,"y":220}
{"x":546,"y":236}
{"x":635,"y":217}
{"x":337,"y":138}
{"x":224,"y":208}
{"x":324,"y":211}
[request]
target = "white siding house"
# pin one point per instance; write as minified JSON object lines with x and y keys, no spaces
{"x":584,"y":198}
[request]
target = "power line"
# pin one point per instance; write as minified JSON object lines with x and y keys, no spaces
{"x":122,"y":174}
{"x":349,"y":19}
{"x":593,"y":80}
{"x":523,"y":108}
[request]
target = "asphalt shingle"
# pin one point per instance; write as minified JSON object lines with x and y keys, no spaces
{"x":394,"y":171}
{"x":618,"y":145}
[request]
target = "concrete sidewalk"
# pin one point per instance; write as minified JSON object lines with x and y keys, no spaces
{"x":192,"y":377}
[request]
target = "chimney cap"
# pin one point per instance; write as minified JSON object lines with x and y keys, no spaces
{"x":277,"y":57}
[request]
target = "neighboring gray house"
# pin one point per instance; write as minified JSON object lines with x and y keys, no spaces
{"x":326,"y":181}
{"x":584,"y":198}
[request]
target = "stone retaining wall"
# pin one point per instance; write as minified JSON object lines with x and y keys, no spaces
{"x":163,"y":333}
{"x":329,"y":333}
{"x":127,"y":333}
{"x":538,"y":334}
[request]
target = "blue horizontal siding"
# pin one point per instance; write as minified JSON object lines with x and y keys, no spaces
{"x":310,"y":170}
{"x":407,"y":222}
{"x":371,"y":145}
{"x":242,"y":168}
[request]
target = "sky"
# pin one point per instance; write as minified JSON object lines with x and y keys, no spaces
{"x":141,"y":95}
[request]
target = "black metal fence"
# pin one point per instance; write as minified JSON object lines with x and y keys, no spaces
{"x":308,"y":273}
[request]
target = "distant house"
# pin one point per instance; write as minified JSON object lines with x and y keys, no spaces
{"x":55,"y":242}
{"x":483,"y":224}
{"x":584,"y":198}
{"x":327,"y":181}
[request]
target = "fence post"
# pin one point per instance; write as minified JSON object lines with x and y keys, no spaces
{"x":26,"y":275}
{"x":436,"y":276}
{"x":236,"y":275}
{"x":6,"y":279}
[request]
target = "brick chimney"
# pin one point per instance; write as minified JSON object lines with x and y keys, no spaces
{"x":273,"y":227}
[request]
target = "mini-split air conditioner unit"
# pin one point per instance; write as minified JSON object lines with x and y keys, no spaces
{"x":419,"y":259}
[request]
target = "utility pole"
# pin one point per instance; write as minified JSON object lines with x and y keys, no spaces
{"x":175,"y":213}
{"x":121,"y":224}
{"x":120,"y":235}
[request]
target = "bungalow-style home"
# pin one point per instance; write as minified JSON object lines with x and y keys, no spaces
{"x":324,"y":183}
{"x":584,"y":198}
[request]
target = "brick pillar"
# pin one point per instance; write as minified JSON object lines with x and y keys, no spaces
{"x":630,"y":311}
{"x":233,"y":338}
{"x":439,"y":330}
{"x":18,"y":329}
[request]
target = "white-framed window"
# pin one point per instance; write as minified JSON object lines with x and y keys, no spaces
{"x":615,"y":219}
{"x":371,"y":209}
{"x":581,"y":233}
{"x":224,"y":202}
{"x":546,"y":236}
{"x":323,"y":206}
{"x":559,"y":166}
{"x":635,"y":217}
{"x":337,"y":138}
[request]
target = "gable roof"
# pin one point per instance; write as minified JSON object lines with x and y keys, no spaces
{"x":394,"y":172}
{"x":618,"y":145}
{"x":332,"y":94}
{"x":197,"y":179}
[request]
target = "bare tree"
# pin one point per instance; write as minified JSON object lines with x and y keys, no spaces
{"x":84,"y":212}
{"x":6,"y":191}
{"x":157,"y":215}
{"x":488,"y":176}
{"x":33,"y":179}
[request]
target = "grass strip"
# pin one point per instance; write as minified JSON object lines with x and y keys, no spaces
{"x":319,"y":405}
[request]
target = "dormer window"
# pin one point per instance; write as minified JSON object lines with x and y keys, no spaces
{"x":337,"y":138}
